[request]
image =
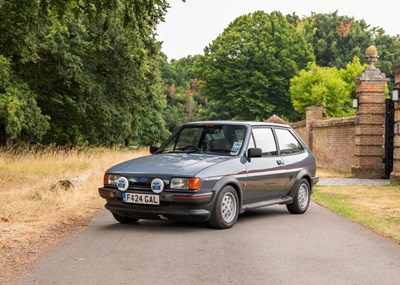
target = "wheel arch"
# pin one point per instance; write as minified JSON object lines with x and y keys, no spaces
{"x":308,"y":178}
{"x":229,"y":181}
{"x":303,"y":174}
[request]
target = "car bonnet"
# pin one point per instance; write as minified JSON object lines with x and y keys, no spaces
{"x":186,"y":165}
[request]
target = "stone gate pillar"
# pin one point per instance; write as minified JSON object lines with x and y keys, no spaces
{"x":395,"y":175}
{"x":312,"y":114}
{"x":370,"y":120}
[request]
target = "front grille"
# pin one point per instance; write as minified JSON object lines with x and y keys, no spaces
{"x":139,"y":187}
{"x":144,"y":183}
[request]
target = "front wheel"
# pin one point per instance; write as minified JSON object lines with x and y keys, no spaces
{"x":124,"y":220}
{"x":301,"y":198}
{"x":226,"y":209}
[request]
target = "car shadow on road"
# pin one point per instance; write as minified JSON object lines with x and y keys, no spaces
{"x":263,"y":213}
{"x":157,"y":226}
{"x":251,"y":216}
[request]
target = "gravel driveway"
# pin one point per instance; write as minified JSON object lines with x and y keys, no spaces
{"x":352,"y":182}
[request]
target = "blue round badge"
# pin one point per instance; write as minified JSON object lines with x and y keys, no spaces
{"x":157,"y":185}
{"x":122,"y":184}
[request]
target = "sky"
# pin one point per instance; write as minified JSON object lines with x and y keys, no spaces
{"x":192,"y":25}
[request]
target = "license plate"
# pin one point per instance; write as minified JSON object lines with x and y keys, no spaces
{"x":141,"y":198}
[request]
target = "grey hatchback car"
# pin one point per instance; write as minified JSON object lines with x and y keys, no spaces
{"x":213,"y":171}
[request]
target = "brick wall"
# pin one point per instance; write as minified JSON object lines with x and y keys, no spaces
{"x":333,"y":143}
{"x":332,"y":140}
{"x":301,"y":130}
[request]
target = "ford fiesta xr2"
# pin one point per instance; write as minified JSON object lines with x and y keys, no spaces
{"x":213,"y":171}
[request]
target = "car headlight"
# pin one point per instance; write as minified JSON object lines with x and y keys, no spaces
{"x":111,"y":179}
{"x":185,"y":183}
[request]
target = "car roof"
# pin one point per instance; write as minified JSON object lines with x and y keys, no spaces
{"x":242,"y":123}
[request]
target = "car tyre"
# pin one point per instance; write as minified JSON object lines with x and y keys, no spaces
{"x":226,"y":209}
{"x":124,"y":220}
{"x":301,"y":198}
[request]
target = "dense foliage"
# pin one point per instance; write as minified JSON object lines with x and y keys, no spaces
{"x":389,"y":52}
{"x":326,"y":87}
{"x":246,"y":70}
{"x":90,"y":66}
{"x":184,"y":100}
{"x":20,"y":116}
{"x":338,"y":39}
{"x":91,"y":71}
{"x":335,"y":39}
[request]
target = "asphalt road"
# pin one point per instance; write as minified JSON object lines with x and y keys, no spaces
{"x":266,"y":246}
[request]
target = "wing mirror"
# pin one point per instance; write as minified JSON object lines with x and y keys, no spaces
{"x":153,"y":149}
{"x":253,"y":152}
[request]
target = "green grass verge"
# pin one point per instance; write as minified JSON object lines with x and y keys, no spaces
{"x":363,"y":205}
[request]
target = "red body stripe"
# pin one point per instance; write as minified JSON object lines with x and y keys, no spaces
{"x":193,"y":197}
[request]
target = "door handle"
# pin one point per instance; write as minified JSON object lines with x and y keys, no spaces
{"x":280,"y":162}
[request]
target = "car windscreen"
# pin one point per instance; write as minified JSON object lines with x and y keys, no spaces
{"x":210,"y":139}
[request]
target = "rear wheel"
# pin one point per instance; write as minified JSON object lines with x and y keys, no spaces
{"x":124,"y":220}
{"x":301,"y":198}
{"x":226,"y":209}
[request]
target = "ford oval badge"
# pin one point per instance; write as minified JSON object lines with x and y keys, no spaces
{"x":157,"y":185}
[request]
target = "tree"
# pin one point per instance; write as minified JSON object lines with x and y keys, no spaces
{"x":93,"y":65}
{"x":350,"y":73}
{"x":326,"y":87}
{"x":20,"y":116}
{"x":389,"y":52}
{"x":179,"y":72}
{"x":246,"y":70}
{"x":184,"y":100}
{"x":336,"y":39}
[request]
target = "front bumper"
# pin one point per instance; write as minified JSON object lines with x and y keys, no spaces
{"x":173,"y":205}
{"x":315,"y":180}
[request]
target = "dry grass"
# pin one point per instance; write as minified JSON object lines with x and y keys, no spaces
{"x":329,"y":173}
{"x":30,"y":197}
{"x":32,"y":204}
{"x":377,"y":207}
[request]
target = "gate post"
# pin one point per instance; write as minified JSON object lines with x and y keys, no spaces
{"x":395,"y":175}
{"x":370,"y":120}
{"x":312,"y":114}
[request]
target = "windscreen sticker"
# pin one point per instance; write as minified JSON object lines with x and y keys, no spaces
{"x":236,"y":147}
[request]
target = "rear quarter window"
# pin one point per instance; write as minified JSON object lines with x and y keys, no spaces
{"x":288,"y":143}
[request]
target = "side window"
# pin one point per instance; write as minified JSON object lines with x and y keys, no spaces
{"x":287,"y":142}
{"x":265,"y":140}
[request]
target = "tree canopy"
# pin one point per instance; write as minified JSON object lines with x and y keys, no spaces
{"x":91,"y":66}
{"x":246,"y":70}
{"x":184,"y":100}
{"x":326,"y":87}
{"x":91,"y":71}
{"x":20,"y":115}
{"x":337,"y":39}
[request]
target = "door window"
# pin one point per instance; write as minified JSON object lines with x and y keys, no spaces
{"x":264,"y":139}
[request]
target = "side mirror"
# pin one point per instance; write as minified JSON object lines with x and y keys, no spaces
{"x":254,"y":152}
{"x":153,"y":149}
